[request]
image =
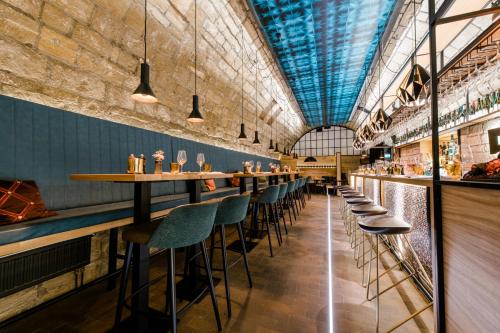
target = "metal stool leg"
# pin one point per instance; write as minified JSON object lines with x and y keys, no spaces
{"x":123,"y":285}
{"x":171,"y":297}
{"x":211,"y":285}
{"x":245,"y":259}
{"x":226,"y":273}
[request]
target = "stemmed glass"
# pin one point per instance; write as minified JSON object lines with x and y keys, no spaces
{"x":258,"y":166}
{"x":200,"y":159}
{"x":181,"y":158}
{"x":251,"y":165}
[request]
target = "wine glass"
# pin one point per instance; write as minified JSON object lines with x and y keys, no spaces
{"x":258,"y":166}
{"x":181,"y":158}
{"x":251,"y":165}
{"x":200,"y":159}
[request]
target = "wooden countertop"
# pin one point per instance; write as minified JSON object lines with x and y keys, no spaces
{"x":421,"y":181}
{"x":262,"y":174}
{"x":133,"y":178}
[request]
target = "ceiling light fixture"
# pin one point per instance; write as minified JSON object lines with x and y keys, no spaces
{"x":414,"y":90}
{"x":381,"y":122}
{"x":242,"y":137}
{"x":144,"y":93}
{"x":195,"y":116}
{"x":256,"y":141}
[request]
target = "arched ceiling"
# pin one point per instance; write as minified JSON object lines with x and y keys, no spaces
{"x":324,"y":48}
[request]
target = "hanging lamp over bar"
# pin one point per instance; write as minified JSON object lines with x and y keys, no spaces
{"x":414,"y":90}
{"x":195,"y":115}
{"x":381,"y":122}
{"x":242,"y":137}
{"x":144,"y":93}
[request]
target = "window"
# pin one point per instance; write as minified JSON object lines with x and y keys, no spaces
{"x":334,"y":140}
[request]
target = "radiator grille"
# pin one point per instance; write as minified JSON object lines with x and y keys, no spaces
{"x":29,"y":268}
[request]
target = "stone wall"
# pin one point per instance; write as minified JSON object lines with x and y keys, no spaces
{"x":475,"y":144}
{"x":83,"y":56}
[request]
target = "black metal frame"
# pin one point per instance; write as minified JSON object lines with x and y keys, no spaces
{"x":436,"y":18}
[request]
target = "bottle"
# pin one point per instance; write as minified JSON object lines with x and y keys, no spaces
{"x":142,"y":164}
{"x":131,"y":164}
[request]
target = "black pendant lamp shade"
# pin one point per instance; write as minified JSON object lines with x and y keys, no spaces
{"x":144,"y":93}
{"x":195,"y":116}
{"x":414,"y":90}
{"x":276,"y":150}
{"x":271,"y":147}
{"x":242,"y":136}
{"x":256,"y":139}
{"x":381,"y":122}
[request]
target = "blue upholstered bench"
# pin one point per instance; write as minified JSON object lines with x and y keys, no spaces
{"x":77,"y":222}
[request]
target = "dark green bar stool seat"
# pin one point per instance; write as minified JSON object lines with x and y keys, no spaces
{"x":184,"y":226}
{"x":231,"y":210}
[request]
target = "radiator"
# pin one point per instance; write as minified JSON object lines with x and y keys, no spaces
{"x":23,"y":270}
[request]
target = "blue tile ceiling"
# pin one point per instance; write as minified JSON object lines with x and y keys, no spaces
{"x":325,"y":49}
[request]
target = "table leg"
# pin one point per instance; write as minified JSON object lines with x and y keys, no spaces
{"x":255,"y":182}
{"x":140,"y":268}
{"x":243,"y":185}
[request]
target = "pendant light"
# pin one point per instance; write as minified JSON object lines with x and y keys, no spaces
{"x":276,"y":150}
{"x":271,"y":147}
{"x":195,"y":116}
{"x":144,"y":93}
{"x":381,"y":122}
{"x":242,"y":137}
{"x":414,"y":90}
{"x":256,"y":141}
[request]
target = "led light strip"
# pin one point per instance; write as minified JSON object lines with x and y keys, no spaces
{"x":330,"y":287}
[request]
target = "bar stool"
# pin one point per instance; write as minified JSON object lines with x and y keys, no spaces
{"x":184,"y":226}
{"x":289,"y":198}
{"x":268,"y":198}
{"x":281,"y":199}
{"x":385,"y":225}
{"x":309,"y":181}
{"x":231,"y":210}
{"x":360,"y":212}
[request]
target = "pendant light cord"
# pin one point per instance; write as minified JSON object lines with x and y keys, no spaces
{"x":242,"y":71}
{"x":256,"y":90}
{"x":415,"y":32}
{"x":195,"y":48}
{"x":145,"y":28}
{"x":379,"y":76}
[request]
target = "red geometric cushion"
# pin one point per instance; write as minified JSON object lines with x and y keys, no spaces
{"x":210,"y":184}
{"x":20,"y":201}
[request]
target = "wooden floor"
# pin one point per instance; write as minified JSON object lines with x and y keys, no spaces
{"x":290,"y":293}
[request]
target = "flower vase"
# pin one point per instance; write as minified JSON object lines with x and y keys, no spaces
{"x":158,"y":167}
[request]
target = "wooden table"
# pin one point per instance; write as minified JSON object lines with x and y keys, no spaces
{"x":142,"y":210}
{"x":273,"y":179}
{"x":271,"y":176}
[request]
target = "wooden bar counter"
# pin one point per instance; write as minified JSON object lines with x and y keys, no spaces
{"x":470,"y":262}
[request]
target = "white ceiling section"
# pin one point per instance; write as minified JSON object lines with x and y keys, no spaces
{"x":451,"y":39}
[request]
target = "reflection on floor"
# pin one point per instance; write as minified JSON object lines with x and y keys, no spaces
{"x":290,"y":292}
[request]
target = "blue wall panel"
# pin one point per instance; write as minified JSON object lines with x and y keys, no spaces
{"x":48,"y":145}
